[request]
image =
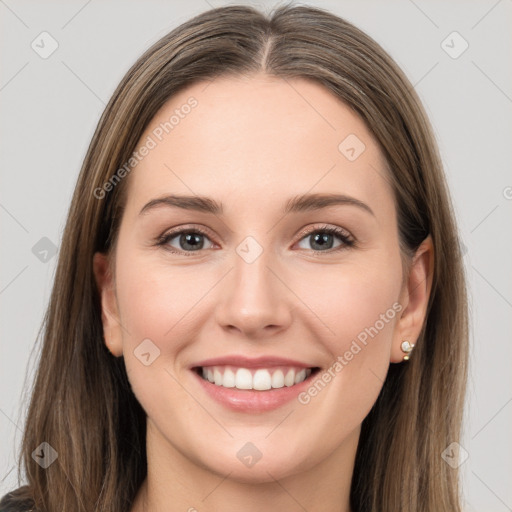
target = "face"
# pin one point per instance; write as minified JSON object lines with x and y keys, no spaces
{"x":273,"y":286}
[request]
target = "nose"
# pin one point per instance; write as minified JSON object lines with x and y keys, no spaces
{"x":255,"y":299}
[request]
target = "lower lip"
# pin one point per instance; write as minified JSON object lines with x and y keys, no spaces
{"x":249,"y":400}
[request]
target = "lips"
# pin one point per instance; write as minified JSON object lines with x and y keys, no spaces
{"x":242,"y":385}
{"x":240,"y":361}
{"x":265,"y":373}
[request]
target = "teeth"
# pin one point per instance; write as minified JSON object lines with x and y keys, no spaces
{"x":262,"y":380}
{"x":229,"y":379}
{"x":299,"y":377}
{"x":259,"y":379}
{"x":278,"y":379}
{"x":289,"y":380}
{"x":217,"y":377}
{"x":243,"y":379}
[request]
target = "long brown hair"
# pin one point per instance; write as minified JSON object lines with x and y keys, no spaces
{"x":82,"y":403}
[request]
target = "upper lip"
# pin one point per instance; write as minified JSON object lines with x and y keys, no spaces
{"x":251,"y":362}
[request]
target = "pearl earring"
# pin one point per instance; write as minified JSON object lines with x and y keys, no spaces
{"x":407,"y":348}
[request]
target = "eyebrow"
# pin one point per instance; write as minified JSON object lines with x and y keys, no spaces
{"x":301,"y":203}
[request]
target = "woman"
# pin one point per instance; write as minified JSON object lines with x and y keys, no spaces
{"x":261,"y":226}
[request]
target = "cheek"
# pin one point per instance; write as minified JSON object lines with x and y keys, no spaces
{"x":152,"y":299}
{"x":154,"y":304}
{"x":360,"y":313}
{"x":357,"y":302}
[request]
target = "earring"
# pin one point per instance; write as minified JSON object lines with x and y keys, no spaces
{"x":407,"y":348}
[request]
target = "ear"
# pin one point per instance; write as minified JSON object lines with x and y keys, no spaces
{"x":414,"y":300}
{"x":109,"y":310}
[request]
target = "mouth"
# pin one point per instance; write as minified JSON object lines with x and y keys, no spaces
{"x":252,"y":384}
{"x":257,"y":379}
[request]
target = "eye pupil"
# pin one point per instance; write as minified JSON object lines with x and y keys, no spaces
{"x":322,"y":240}
{"x":192,"y":239}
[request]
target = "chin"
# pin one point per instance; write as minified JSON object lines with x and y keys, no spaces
{"x":254,"y":462}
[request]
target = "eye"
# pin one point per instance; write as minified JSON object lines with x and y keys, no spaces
{"x":322,"y":239}
{"x":187,"y":241}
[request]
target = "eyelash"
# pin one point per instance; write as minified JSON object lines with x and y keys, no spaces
{"x":347,"y":240}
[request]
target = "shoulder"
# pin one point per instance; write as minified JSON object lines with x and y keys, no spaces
{"x":17,"y":501}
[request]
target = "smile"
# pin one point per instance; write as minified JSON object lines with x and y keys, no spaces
{"x":253,"y":384}
{"x":260,"y":379}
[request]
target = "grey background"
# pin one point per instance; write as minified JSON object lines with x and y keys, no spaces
{"x":49,"y":109}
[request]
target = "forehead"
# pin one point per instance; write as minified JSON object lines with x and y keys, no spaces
{"x":258,"y":138}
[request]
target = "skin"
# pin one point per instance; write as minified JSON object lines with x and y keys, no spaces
{"x":251,"y":143}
